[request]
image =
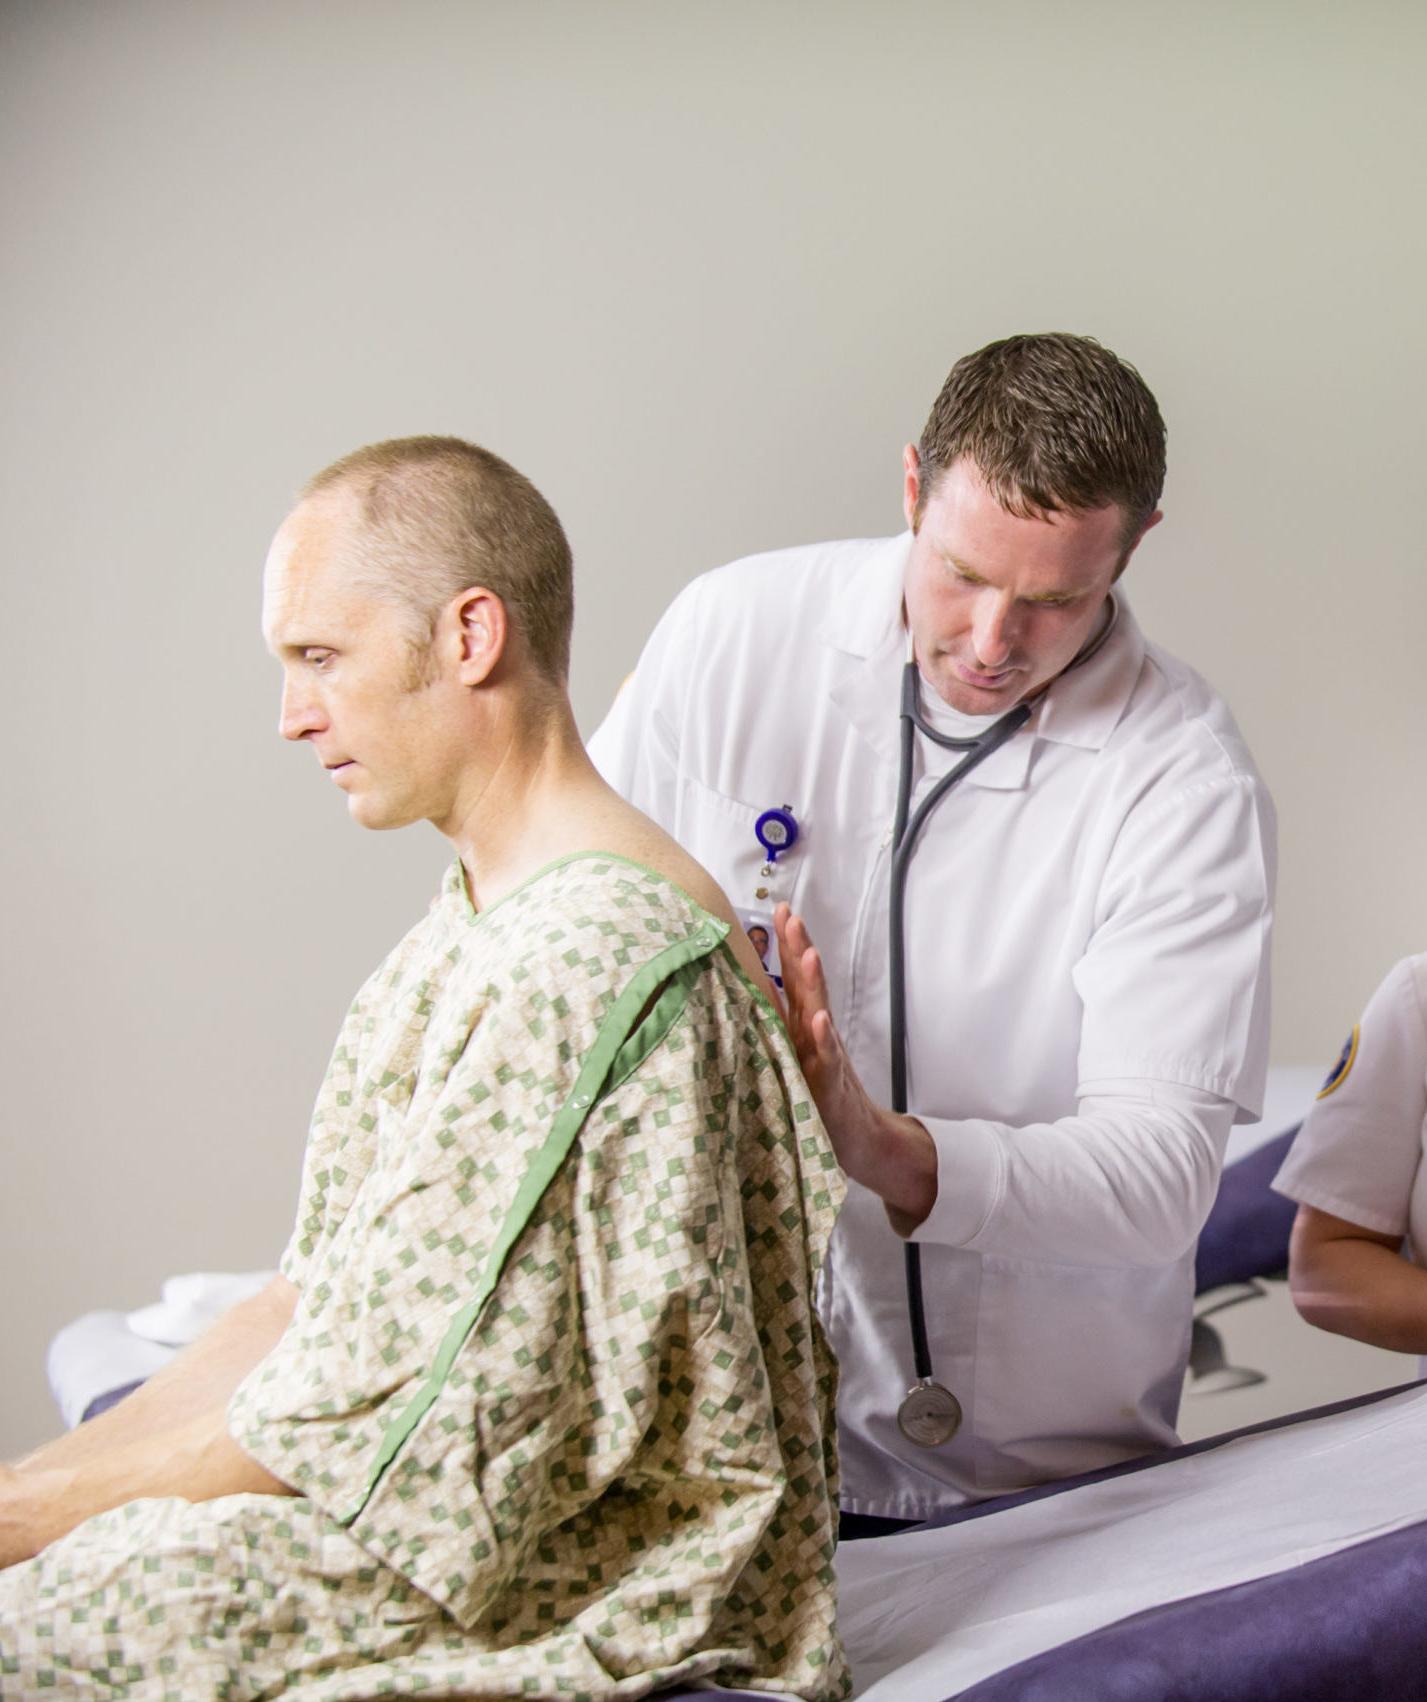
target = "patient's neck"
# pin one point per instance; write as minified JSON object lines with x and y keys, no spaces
{"x":535,"y":798}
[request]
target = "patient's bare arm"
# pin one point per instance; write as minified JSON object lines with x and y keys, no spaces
{"x":1355,"y":1282}
{"x":168,"y":1438}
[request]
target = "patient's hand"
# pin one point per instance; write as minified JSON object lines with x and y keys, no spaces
{"x":168,"y":1438}
{"x":888,"y":1152}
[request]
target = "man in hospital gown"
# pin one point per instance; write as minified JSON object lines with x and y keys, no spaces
{"x":539,"y":1404}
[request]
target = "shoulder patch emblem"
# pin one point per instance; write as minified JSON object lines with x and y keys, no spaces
{"x":1339,"y":1072}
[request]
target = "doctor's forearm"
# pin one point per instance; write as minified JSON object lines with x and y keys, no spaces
{"x":1129,"y":1179}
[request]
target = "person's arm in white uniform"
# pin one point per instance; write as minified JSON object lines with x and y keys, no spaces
{"x":1354,"y":1169}
{"x":1355,"y":1282}
{"x":1128,"y":1179}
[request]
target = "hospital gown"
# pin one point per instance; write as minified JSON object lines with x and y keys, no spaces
{"x":591,"y":1464}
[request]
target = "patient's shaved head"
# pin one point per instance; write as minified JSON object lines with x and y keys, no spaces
{"x":431,"y":517}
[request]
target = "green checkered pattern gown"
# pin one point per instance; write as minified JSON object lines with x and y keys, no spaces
{"x":589,"y":1458}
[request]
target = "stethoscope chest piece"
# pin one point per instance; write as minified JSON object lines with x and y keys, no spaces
{"x":929,"y":1415}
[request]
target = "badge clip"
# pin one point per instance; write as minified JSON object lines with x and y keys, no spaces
{"x":776,"y":832}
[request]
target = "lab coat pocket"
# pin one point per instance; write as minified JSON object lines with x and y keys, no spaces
{"x":1077,"y":1366}
{"x":721,"y":832}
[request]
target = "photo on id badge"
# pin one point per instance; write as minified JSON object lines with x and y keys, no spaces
{"x":758,"y":925}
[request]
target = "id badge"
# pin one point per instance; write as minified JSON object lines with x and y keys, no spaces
{"x":758,"y":925}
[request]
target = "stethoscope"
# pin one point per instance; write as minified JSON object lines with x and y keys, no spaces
{"x":930,"y":1414}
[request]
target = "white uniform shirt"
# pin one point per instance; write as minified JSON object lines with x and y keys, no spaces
{"x":1359,"y":1152}
{"x":1086,"y":941}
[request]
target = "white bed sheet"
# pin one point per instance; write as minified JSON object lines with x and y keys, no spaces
{"x":926,"y":1614}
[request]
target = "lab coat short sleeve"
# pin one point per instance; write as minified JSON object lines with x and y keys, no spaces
{"x":1359,"y":1152}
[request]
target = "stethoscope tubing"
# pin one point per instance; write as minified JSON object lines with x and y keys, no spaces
{"x":904,"y":839}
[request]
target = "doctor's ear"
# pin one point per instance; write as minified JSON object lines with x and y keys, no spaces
{"x":911,"y":484}
{"x":483,"y":629}
{"x":1153,"y":521}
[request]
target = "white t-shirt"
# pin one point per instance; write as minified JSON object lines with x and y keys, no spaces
{"x":931,"y":760}
{"x":1359,"y":1153}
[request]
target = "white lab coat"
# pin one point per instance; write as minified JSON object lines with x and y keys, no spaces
{"x":1087,"y":949}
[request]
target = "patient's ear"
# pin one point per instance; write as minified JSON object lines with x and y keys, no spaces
{"x":482,"y":629}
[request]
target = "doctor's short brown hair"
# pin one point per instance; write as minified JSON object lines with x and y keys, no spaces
{"x":1052,"y":422}
{"x":438,"y":515}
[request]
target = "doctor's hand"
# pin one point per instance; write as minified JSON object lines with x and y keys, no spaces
{"x":884,"y":1150}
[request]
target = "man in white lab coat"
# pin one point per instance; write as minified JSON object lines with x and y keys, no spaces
{"x":1087,"y":919}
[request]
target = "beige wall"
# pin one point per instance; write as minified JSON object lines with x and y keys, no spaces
{"x":698,"y":271}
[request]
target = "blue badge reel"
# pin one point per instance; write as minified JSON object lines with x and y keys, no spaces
{"x":777,"y":832}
